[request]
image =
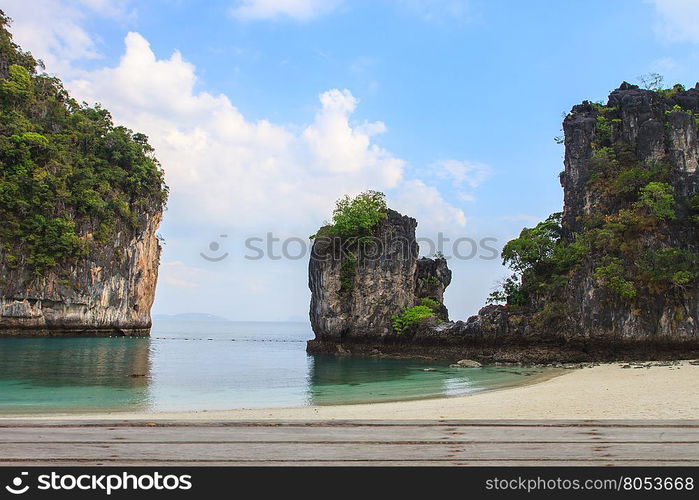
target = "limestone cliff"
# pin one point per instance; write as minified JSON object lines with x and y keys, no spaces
{"x":648,"y":132}
{"x":80,"y":202}
{"x":385,"y":278}
{"x":110,"y":292}
{"x":619,"y":280}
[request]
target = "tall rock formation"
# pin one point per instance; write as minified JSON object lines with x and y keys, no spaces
{"x":619,"y":277}
{"x":80,"y":203}
{"x":613,"y":152}
{"x":356,"y":290}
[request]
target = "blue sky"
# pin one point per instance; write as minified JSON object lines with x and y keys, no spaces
{"x":263,"y":112}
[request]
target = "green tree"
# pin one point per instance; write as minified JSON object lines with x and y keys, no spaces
{"x":17,"y":87}
{"x":534,"y":245}
{"x":358,"y":216}
{"x":658,"y":198}
{"x":614,"y":277}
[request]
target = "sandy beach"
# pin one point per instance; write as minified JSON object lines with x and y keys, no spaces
{"x":606,"y":391}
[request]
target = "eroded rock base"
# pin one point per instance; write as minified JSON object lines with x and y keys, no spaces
{"x":489,"y":351}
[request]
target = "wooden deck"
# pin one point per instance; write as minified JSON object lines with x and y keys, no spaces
{"x":349,"y":443}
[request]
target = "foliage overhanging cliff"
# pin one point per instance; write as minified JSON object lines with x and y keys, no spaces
{"x":80,"y":201}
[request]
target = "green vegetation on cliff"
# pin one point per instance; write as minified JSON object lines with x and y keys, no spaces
{"x":69,"y":178}
{"x":631,"y":237}
{"x":356,"y":217}
{"x":409,"y":317}
{"x":354,"y":220}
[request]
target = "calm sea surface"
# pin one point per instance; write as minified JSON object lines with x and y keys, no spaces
{"x":188,"y":365}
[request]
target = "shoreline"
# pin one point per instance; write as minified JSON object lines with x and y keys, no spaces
{"x":643,"y":390}
{"x":513,"y":349}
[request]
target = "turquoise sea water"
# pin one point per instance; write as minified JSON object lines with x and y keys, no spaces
{"x":187,"y":365}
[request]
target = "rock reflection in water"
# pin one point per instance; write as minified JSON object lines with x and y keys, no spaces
{"x":337,"y":380}
{"x":71,"y":373}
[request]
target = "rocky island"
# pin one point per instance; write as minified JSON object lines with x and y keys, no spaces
{"x":358,"y":287}
{"x":80,"y":203}
{"x":614,"y":276}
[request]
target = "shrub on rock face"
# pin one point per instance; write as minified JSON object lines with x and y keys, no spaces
{"x":693,"y":206}
{"x":17,"y":87}
{"x":348,"y":270}
{"x":542,"y":260}
{"x":657,"y":197}
{"x":410,"y":317}
{"x":431,"y":303}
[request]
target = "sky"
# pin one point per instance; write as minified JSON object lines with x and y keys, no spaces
{"x":264,"y":112}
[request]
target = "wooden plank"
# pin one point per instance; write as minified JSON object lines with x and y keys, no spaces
{"x":355,"y":463}
{"x":51,"y":442}
{"x":158,"y":421}
{"x":359,"y":434}
{"x":167,"y":452}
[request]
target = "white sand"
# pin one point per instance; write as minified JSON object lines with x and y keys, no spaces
{"x":602,"y":392}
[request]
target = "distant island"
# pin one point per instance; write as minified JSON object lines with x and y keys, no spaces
{"x":613,"y":276}
{"x":190,"y":317}
{"x":81,"y":200}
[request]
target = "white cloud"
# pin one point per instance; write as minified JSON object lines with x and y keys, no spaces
{"x":300,"y":10}
{"x":426,"y":204}
{"x":463,"y":175}
{"x":665,"y":64}
{"x":257,"y":286}
{"x":462,"y":172}
{"x":53,"y":31}
{"x":678,"y":20}
{"x":224,"y":169}
{"x":468,"y":197}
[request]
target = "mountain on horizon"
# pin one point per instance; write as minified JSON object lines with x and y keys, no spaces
{"x":194,"y":316}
